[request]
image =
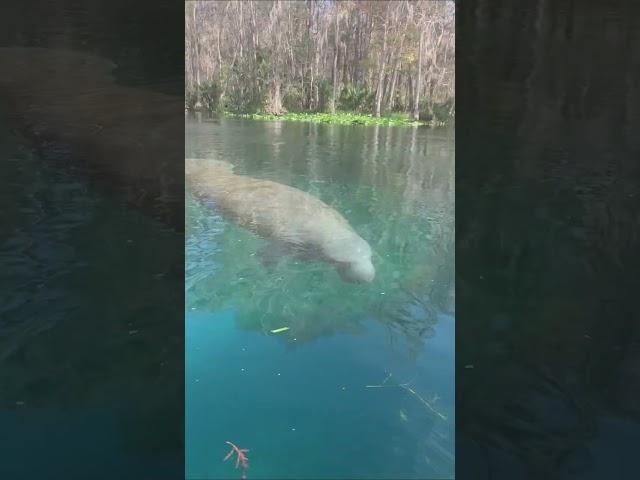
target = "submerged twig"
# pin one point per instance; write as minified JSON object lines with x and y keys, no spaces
{"x":407,"y":388}
{"x":241,"y":458}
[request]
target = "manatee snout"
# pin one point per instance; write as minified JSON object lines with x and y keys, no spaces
{"x":361,"y":271}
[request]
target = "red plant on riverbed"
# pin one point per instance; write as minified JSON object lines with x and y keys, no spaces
{"x":241,"y":458}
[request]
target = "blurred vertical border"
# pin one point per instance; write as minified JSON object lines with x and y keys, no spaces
{"x":547,"y":209}
{"x":91,"y":242}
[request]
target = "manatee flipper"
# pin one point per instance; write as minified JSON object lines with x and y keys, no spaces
{"x":272,"y":253}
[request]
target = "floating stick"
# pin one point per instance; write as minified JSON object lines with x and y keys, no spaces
{"x":405,"y":386}
{"x":280,"y":330}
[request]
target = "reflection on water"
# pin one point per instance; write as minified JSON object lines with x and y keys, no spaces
{"x":396,"y":188}
{"x":377,"y":178}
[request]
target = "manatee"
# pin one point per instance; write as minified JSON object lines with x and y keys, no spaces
{"x":295,"y":222}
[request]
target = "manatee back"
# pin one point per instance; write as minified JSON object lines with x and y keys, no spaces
{"x":322,"y":226}
{"x":276,"y":211}
{"x":192,"y":165}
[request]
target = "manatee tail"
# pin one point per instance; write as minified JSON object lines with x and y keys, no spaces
{"x":191,"y":165}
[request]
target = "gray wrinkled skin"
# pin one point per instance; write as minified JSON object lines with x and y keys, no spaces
{"x":295,"y":221}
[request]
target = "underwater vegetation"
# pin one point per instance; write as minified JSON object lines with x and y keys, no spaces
{"x":413,"y":254}
{"x":396,"y":190}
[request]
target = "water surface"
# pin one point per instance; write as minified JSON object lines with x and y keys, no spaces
{"x":362,"y":383}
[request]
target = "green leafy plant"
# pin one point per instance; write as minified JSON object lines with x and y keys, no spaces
{"x":339,"y":118}
{"x":293,"y":99}
{"x":355,"y":99}
{"x":190,"y":99}
{"x":210,"y":93}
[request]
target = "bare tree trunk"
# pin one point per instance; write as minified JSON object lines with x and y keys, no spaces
{"x":394,"y":77}
{"x":335,"y":62}
{"x":275,"y":106}
{"x":241,"y":30}
{"x":418,"y":82}
{"x":383,"y":59}
{"x":196,"y":53}
{"x":316,"y":66}
{"x":219,"y":54}
{"x":343,"y":69}
{"x":409,"y":96}
{"x":188,"y":57}
{"x":232,"y":43}
{"x":398,"y":56}
{"x":254,"y":42}
{"x":313,"y":57}
{"x":276,"y":99}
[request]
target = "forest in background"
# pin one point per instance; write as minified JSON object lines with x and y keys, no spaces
{"x":371,"y":57}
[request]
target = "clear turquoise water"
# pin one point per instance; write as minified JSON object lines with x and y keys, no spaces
{"x":299,"y":400}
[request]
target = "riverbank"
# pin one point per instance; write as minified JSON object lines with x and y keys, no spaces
{"x":341,"y":118}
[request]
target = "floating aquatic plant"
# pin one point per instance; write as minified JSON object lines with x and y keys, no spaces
{"x":339,"y":118}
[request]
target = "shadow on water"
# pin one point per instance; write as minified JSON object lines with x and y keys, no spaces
{"x":549,"y":351}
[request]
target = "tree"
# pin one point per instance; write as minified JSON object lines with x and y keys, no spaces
{"x":418,"y":80}
{"x":360,"y":55}
{"x":382,"y":61}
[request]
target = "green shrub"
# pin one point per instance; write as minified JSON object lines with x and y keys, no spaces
{"x":210,"y":95}
{"x":356,"y":99}
{"x":325,"y":90}
{"x":439,"y":112}
{"x":190,"y":99}
{"x":293,"y":99}
{"x":247,"y":101}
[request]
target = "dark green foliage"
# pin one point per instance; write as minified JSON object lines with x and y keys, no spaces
{"x":325,"y":90}
{"x":293,"y":99}
{"x":210,"y":96}
{"x":355,"y":99}
{"x":249,"y":84}
{"x":438,"y":113}
{"x":244,"y":101}
{"x":190,"y":99}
